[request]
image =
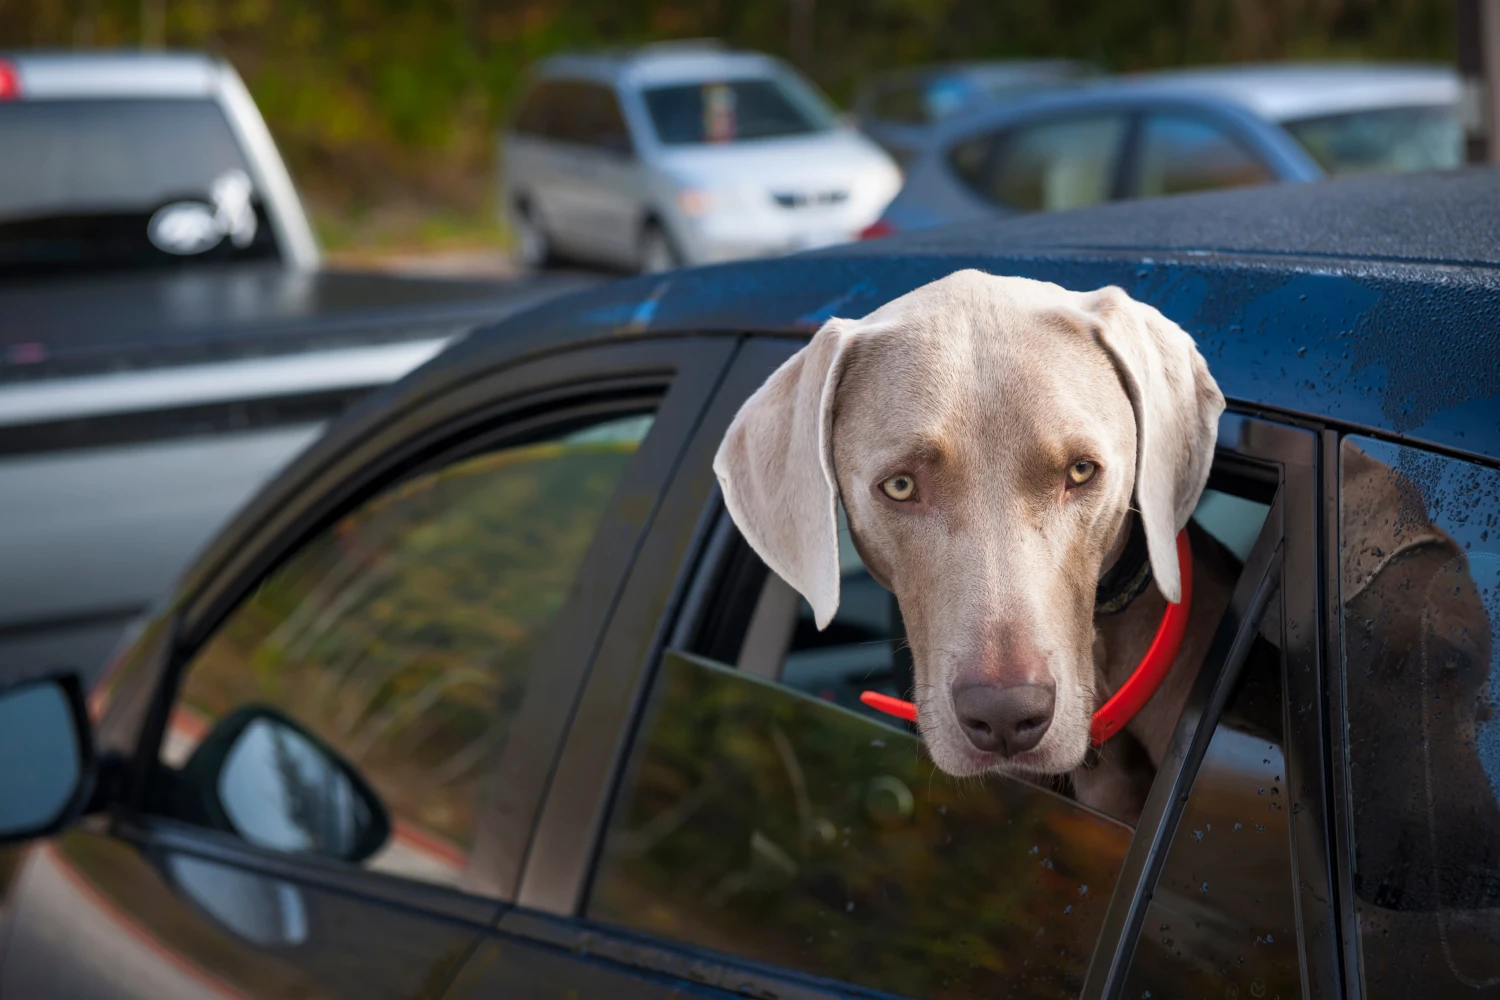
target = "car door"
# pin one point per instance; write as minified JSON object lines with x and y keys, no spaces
{"x":337,"y":745}
{"x":1417,"y":564}
{"x":611,"y":199}
{"x":725,"y":817}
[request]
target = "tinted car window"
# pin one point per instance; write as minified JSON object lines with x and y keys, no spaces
{"x":1047,"y":166}
{"x":1384,"y":141}
{"x":536,"y":114}
{"x":1180,"y":154}
{"x":768,"y":814}
{"x":403,"y":639}
{"x":734,"y":111}
{"x":602,"y":122}
{"x":1420,"y":590}
{"x":88,"y":184}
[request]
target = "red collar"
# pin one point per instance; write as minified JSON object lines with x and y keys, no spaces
{"x":1138,"y":688}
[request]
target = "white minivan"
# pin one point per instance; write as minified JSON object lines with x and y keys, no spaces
{"x":673,"y":155}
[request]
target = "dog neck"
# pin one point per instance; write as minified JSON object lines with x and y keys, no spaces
{"x":1130,"y":574}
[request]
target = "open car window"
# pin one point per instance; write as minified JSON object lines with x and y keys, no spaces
{"x":767,"y":815}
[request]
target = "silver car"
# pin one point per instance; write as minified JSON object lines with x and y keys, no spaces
{"x":670,"y":155}
{"x":1180,"y":131}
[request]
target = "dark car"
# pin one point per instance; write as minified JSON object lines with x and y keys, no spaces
{"x":485,"y":696}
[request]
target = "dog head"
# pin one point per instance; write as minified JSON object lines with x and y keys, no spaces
{"x":987,"y":436}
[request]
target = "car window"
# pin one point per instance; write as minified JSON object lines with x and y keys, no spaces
{"x":537,"y":110}
{"x":740,"y":110}
{"x":1420,"y":593}
{"x":766,"y":813}
{"x":1384,"y":140}
{"x":124,"y":183}
{"x":1046,"y":166}
{"x":1179,"y":154}
{"x":602,"y":124}
{"x":399,"y":642}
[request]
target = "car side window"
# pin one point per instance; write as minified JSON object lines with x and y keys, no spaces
{"x":768,"y":814}
{"x":1179,"y":154}
{"x":602,"y":123}
{"x":1046,"y":166}
{"x":1419,"y":582}
{"x":352,"y":705}
{"x":535,"y":117}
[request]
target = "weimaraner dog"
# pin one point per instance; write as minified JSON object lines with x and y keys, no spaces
{"x":995,"y":442}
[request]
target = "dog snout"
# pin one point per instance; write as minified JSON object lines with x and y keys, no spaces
{"x":1004,"y":719}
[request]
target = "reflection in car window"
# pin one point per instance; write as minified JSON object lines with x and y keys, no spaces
{"x":1420,"y":589}
{"x":1384,"y":141}
{"x":767,"y":824}
{"x":1057,"y":164}
{"x":404,"y":636}
{"x":1180,"y":154}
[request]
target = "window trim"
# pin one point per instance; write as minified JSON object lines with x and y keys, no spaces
{"x":569,"y":833}
{"x":678,"y":377}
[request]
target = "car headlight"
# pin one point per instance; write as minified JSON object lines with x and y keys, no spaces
{"x":695,"y":201}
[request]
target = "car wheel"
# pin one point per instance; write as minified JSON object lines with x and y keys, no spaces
{"x":533,"y":245}
{"x":657,"y":254}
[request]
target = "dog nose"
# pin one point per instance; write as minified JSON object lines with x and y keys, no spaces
{"x":1007,"y":719}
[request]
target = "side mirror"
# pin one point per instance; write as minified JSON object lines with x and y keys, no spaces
{"x":264,"y":778}
{"x":46,"y":757}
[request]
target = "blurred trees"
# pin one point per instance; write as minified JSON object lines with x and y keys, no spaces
{"x":389,"y":100}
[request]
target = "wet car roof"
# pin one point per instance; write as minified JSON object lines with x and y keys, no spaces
{"x":1371,"y":302}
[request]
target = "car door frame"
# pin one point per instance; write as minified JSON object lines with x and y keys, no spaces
{"x":464,"y":412}
{"x":570,"y":828}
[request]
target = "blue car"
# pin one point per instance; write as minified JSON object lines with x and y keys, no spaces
{"x":1177,"y":132}
{"x":485,"y":696}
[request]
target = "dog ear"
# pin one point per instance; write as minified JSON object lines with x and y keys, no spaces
{"x":1177,"y":405}
{"x":775,"y":466}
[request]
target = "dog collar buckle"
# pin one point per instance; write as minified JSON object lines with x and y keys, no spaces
{"x":1143,"y":682}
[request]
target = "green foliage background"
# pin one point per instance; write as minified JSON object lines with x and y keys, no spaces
{"x":386,"y":109}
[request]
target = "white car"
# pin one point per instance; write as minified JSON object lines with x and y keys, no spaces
{"x":670,"y":155}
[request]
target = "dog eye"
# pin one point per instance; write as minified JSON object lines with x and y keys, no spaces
{"x":1081,"y":472}
{"x":899,"y":487}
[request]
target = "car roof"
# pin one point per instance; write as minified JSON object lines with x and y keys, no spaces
{"x":988,"y":71}
{"x":1369,"y":302}
{"x":45,"y":75}
{"x":1289,"y":91}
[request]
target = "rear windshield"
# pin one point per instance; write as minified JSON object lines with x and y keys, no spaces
{"x":735,"y":111}
{"x":128,"y":183}
{"x":1384,"y":140}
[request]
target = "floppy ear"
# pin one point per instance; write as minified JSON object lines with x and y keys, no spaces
{"x":775,"y":466}
{"x":1177,"y":405}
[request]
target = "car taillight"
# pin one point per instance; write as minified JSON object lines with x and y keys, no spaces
{"x":879,"y":229}
{"x":10,"y":81}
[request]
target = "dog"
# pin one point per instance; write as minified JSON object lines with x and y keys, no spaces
{"x":996,"y":442}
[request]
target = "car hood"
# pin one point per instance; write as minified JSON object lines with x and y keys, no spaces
{"x":797,"y":162}
{"x":77,"y":325}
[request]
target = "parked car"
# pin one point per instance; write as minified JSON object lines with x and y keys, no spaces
{"x":1181,"y":131}
{"x":898,"y":109}
{"x":139,"y":411}
{"x":138,"y":160}
{"x":669,"y":155}
{"x":485,"y":696}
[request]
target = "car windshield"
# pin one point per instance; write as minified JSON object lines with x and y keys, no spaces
{"x":1384,"y":140}
{"x":724,"y":111}
{"x":123,"y":183}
